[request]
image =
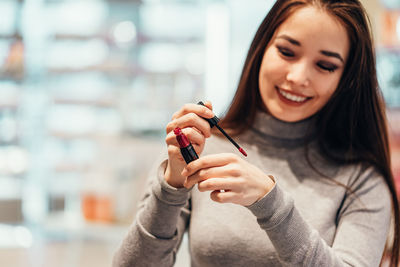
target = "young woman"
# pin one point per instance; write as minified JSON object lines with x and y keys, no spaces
{"x":316,"y":188}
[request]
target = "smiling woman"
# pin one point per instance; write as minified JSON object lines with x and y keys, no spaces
{"x":303,"y":63}
{"x":316,"y":188}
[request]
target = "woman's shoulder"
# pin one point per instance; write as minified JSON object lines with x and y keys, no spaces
{"x":365,"y":177}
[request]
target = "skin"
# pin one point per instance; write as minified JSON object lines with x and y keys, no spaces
{"x":292,"y":61}
{"x":189,"y":119}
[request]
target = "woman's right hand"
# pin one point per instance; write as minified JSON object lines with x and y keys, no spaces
{"x":189,"y":119}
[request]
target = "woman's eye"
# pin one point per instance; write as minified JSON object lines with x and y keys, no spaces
{"x":327,"y":67}
{"x":285,"y":52}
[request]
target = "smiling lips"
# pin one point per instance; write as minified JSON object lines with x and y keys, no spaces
{"x":291,"y":98}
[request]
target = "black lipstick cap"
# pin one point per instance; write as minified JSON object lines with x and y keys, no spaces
{"x":189,"y":154}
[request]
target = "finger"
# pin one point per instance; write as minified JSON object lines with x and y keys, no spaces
{"x":195,"y":137}
{"x":200,"y":110}
{"x":213,"y":184}
{"x":174,"y":152}
{"x":223,"y":197}
{"x":190,"y":120}
{"x":208,"y":104}
{"x":208,"y":173}
{"x":209,"y":161}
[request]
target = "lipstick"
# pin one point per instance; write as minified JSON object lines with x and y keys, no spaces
{"x":214,"y":122}
{"x":187,"y":150}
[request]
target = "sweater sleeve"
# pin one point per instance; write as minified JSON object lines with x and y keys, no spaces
{"x":363,"y":222}
{"x":155,"y":235}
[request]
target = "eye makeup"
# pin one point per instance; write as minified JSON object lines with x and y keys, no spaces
{"x":327,"y":66}
{"x":324,"y":65}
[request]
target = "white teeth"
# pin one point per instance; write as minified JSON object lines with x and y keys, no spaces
{"x":291,"y":97}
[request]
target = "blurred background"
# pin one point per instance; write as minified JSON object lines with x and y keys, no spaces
{"x":86,"y":89}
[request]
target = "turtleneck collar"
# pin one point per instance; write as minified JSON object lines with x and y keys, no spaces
{"x":266,"y":124}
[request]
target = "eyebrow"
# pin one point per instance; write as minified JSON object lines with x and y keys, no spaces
{"x":289,"y":39}
{"x":331,"y":54}
{"x":297,"y":43}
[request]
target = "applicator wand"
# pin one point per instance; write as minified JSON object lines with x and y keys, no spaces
{"x":214,"y":122}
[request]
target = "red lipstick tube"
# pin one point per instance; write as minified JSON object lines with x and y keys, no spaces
{"x":187,"y":150}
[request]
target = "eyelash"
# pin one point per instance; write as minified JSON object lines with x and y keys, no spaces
{"x":330,"y":69}
{"x":287,"y":53}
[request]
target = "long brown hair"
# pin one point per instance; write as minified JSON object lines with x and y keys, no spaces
{"x":353,"y":121}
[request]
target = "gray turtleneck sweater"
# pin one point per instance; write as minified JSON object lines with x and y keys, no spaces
{"x":307,"y":219}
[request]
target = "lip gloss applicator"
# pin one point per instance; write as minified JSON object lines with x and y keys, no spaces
{"x":187,"y":150}
{"x":214,"y":122}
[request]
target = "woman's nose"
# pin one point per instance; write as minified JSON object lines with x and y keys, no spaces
{"x":298,"y":74}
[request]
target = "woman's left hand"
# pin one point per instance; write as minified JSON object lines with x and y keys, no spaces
{"x":242,"y":183}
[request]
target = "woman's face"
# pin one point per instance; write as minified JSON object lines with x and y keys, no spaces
{"x":302,"y":64}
